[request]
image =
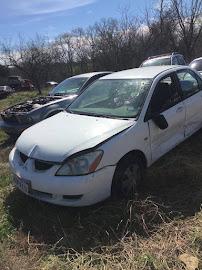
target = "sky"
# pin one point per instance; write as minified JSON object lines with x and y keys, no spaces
{"x":54,"y":17}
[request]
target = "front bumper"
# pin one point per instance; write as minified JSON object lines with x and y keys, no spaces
{"x":64,"y":190}
{"x":13,"y":128}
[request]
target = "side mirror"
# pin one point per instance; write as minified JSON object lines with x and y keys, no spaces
{"x":160,"y":121}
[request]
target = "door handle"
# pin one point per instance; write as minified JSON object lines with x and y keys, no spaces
{"x":179,"y":109}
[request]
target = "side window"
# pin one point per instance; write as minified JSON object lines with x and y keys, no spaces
{"x":175,"y":61}
{"x":165,"y":95}
{"x":181,"y":60}
{"x":189,"y":83}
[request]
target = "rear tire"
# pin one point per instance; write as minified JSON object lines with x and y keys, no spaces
{"x":128,"y":177}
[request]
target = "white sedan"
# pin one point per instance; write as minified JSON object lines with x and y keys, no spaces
{"x":108,"y":136}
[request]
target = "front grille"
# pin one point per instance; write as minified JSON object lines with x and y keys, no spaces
{"x":39,"y":165}
{"x":72,"y":197}
{"x":42,"y":165}
{"x":23,"y":157}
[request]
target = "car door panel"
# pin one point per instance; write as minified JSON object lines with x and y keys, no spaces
{"x":166,"y":101}
{"x":192,"y":95}
{"x":164,"y":140}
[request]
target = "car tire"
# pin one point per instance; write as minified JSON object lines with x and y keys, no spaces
{"x":128,"y":177}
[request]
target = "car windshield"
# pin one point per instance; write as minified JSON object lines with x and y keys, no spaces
{"x":197,"y":65}
{"x":157,"y":62}
{"x":119,"y":98}
{"x":70,"y":86}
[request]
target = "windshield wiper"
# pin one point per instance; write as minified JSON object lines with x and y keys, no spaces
{"x":100,"y":115}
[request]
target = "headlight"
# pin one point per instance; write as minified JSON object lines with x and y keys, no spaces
{"x":81,"y":164}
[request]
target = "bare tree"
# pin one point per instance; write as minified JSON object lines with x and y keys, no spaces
{"x":106,"y":44}
{"x":64,"y":45}
{"x":161,"y":36}
{"x":81,"y":49}
{"x":188,"y":15}
{"x":111,"y":44}
{"x":33,"y":58}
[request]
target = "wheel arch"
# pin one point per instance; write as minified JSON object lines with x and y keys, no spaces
{"x":136,"y":153}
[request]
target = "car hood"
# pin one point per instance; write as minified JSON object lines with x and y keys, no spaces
{"x":58,"y":99}
{"x":64,"y":134}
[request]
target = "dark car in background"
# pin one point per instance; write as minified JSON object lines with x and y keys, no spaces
{"x":5,"y":90}
{"x":27,"y":85}
{"x":197,"y":64}
{"x":17,"y":118}
{"x":18,"y":83}
{"x":15,"y":82}
{"x":174,"y":58}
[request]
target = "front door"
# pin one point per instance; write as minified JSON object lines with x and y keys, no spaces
{"x":166,"y":101}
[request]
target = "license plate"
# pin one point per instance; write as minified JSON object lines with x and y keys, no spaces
{"x":22,"y":184}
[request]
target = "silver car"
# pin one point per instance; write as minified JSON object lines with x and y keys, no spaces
{"x":165,"y":59}
{"x":17,"y":118}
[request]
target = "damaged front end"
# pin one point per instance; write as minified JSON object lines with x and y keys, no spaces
{"x":20,"y":113}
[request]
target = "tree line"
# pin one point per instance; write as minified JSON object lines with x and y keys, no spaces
{"x":110,"y":44}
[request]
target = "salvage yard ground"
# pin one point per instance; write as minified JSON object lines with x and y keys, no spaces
{"x":159,"y":229}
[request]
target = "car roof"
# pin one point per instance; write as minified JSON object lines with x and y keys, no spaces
{"x":199,"y":58}
{"x":153,"y":59}
{"x":91,"y":74}
{"x":159,"y":56}
{"x":164,"y":55}
{"x":142,"y":72}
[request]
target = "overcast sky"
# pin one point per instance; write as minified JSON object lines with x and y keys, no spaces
{"x":52,"y":17}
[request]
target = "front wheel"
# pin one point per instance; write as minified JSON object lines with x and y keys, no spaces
{"x":128,"y":177}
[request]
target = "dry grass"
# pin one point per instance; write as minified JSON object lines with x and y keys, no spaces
{"x":149,"y":232}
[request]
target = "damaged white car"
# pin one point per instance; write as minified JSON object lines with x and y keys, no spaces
{"x":105,"y":140}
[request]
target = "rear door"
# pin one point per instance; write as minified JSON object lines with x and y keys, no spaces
{"x":166,"y":100}
{"x":191,"y":87}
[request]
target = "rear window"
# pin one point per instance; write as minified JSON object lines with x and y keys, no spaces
{"x":70,"y":86}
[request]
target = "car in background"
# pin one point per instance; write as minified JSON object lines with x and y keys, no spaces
{"x":15,"y":82}
{"x":18,"y":83}
{"x":164,"y":60}
{"x":5,"y":90}
{"x":51,"y":84}
{"x":197,"y":64}
{"x":27,"y":85}
{"x":17,"y":118}
{"x":103,"y":143}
